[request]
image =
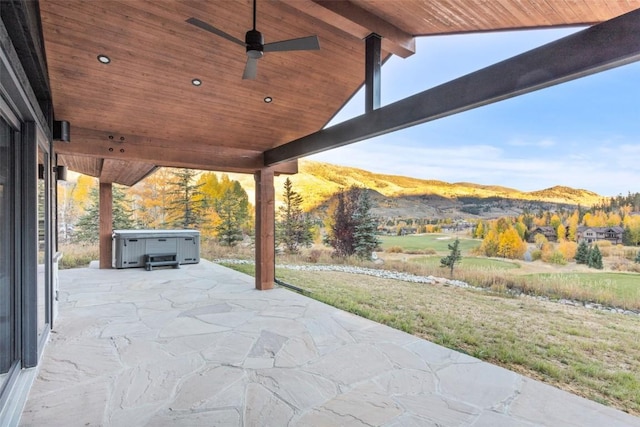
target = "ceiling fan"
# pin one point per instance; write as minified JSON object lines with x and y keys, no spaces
{"x":254,"y":43}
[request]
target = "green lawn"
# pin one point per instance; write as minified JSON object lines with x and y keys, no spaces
{"x":420,"y":242}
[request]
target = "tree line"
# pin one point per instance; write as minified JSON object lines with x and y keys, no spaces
{"x":170,"y":198}
{"x":219,"y":207}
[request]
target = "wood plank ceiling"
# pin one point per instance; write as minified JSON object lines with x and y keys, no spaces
{"x":142,"y":111}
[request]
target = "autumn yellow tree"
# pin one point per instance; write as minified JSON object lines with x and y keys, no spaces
{"x":613,"y":219}
{"x":521,"y":229}
{"x":568,"y":249}
{"x":479,"y":231}
{"x":574,"y":220}
{"x":511,"y":245}
{"x":561,"y":231}
{"x":540,"y":240}
{"x":490,"y":243}
{"x":150,"y":199}
{"x":631,"y":225}
{"x":540,"y":221}
{"x":82,"y":190}
{"x":597,"y":219}
{"x":211,"y":190}
{"x":504,"y":240}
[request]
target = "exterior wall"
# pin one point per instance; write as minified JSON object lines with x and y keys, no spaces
{"x":596,"y":234}
{"x":27,"y":205}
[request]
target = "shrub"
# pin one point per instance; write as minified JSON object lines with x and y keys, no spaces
{"x":314,"y":256}
{"x":547,"y":252}
{"x":557,"y":258}
{"x":546,"y":247}
{"x":210,"y":249}
{"x":568,"y":249}
{"x":427,"y":251}
{"x":394,"y":250}
{"x":78,"y":255}
{"x":536,"y":255}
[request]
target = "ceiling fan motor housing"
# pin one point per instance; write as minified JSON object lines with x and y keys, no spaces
{"x":255,"y":44}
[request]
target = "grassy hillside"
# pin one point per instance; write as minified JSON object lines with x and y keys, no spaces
{"x":413,"y":197}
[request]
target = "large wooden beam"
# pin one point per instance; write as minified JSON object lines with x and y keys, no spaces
{"x":106,"y":224}
{"x":134,"y":148}
{"x":358,"y":22}
{"x":265,"y":229}
{"x":124,"y":172}
{"x":598,"y":48}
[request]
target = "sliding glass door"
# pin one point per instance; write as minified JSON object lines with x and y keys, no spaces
{"x":8,"y":297}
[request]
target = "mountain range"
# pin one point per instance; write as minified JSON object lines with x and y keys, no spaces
{"x":407,"y":197}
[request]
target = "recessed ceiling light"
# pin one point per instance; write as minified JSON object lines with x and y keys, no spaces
{"x":104,"y":59}
{"x":268,"y":99}
{"x":196,"y":82}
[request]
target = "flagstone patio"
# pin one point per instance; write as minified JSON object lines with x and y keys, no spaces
{"x":199,"y":346}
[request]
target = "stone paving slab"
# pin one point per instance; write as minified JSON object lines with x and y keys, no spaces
{"x":199,"y":346}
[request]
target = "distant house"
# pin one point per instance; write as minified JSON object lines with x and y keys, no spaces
{"x":596,"y":234}
{"x":546,"y":231}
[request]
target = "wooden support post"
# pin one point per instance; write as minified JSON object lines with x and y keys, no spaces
{"x":106,"y":224}
{"x":265,"y":229}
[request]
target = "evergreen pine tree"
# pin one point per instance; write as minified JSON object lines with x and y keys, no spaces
{"x":185,"y":208}
{"x":232,"y":208}
{"x":627,"y":238}
{"x":582,"y":253}
{"x":595,"y":258}
{"x":88,"y":226}
{"x":454,"y":256}
{"x":352,"y":228}
{"x":293,"y":229}
{"x":364,"y":234}
{"x":637,"y":260}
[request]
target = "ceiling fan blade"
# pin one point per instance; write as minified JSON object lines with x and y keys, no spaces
{"x":251,"y":69}
{"x":207,"y":27}
{"x":304,"y":43}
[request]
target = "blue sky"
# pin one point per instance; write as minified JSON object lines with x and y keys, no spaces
{"x":582,"y":134}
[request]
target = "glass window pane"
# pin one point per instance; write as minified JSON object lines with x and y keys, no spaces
{"x":43,"y":167}
{"x":7,"y":295}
